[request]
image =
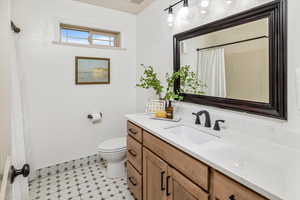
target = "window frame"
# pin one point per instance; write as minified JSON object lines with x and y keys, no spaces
{"x":91,"y":31}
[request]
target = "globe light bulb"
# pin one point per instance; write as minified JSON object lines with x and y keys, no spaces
{"x":204,"y":3}
{"x":229,"y":1}
{"x":184,"y":13}
{"x":170,"y":18}
{"x":203,"y":12}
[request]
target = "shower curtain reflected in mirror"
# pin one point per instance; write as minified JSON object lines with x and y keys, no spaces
{"x":211,"y":70}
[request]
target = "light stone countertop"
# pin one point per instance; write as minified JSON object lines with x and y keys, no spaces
{"x":269,"y":169}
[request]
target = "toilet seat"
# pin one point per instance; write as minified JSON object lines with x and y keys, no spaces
{"x":113,"y":145}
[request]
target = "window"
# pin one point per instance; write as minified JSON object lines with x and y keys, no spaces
{"x":88,"y":36}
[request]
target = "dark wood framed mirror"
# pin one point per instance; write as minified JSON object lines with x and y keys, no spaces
{"x":240,"y":61}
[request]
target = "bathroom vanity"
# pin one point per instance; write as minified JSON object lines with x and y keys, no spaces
{"x":183,"y":161}
{"x":158,"y":170}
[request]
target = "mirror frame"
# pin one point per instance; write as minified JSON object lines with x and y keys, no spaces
{"x":276,"y":12}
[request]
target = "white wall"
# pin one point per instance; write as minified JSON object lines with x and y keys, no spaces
{"x":5,"y":41}
{"x":155,"y":48}
{"x":56,"y":109}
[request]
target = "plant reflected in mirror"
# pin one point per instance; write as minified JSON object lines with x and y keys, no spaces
{"x":189,"y":83}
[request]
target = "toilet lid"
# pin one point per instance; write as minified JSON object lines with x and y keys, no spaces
{"x":115,"y":144}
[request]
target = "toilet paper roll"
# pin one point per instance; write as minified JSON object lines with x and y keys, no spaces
{"x":95,"y":117}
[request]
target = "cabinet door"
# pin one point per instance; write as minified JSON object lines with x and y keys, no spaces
{"x":154,"y":176}
{"x":179,"y":187}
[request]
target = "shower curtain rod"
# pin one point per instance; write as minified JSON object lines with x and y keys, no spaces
{"x":231,"y":43}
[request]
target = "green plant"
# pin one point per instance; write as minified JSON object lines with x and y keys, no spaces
{"x":189,"y":83}
{"x":150,"y":80}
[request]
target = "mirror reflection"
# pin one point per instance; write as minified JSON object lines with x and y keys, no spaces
{"x":231,"y":63}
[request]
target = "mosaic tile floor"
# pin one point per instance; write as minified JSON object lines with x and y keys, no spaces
{"x":84,"y":183}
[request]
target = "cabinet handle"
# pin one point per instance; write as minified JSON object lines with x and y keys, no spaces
{"x":162,"y":181}
{"x":167,"y":191}
{"x":132,"y":131}
{"x":132,"y":152}
{"x":133,"y":181}
{"x":232,"y":197}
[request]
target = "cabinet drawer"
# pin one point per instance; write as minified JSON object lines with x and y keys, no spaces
{"x":134,"y":180}
{"x":134,"y":131}
{"x":134,"y":153}
{"x":227,"y":189}
{"x":190,"y":167}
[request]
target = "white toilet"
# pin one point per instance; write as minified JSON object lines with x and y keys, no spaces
{"x":114,"y":152}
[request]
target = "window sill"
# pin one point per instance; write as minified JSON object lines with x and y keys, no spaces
{"x":89,"y":46}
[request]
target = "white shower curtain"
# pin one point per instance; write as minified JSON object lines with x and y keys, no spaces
{"x":211,"y":70}
{"x":18,"y":150}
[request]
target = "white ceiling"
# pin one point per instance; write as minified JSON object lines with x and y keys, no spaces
{"x":131,"y":6}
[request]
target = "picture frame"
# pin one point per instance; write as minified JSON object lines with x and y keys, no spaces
{"x":92,"y":70}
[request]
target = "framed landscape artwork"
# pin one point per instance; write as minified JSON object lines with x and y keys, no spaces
{"x":92,"y":70}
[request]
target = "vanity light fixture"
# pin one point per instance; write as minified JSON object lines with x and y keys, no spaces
{"x":183,"y":13}
{"x":170,"y":19}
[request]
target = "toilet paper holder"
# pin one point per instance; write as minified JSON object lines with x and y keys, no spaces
{"x":90,"y":116}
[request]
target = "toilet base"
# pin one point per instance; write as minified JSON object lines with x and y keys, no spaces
{"x":115,"y":170}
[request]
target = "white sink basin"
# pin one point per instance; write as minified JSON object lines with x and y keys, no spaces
{"x":188,"y":135}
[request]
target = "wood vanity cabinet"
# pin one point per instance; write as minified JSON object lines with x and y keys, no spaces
{"x":134,"y":131}
{"x":159,"y":171}
{"x":154,"y":174}
{"x":181,"y":188}
{"x":134,"y":160}
{"x":225,"y":188}
{"x":135,"y":182}
{"x":162,"y":182}
{"x":134,"y":153}
{"x":190,"y":167}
